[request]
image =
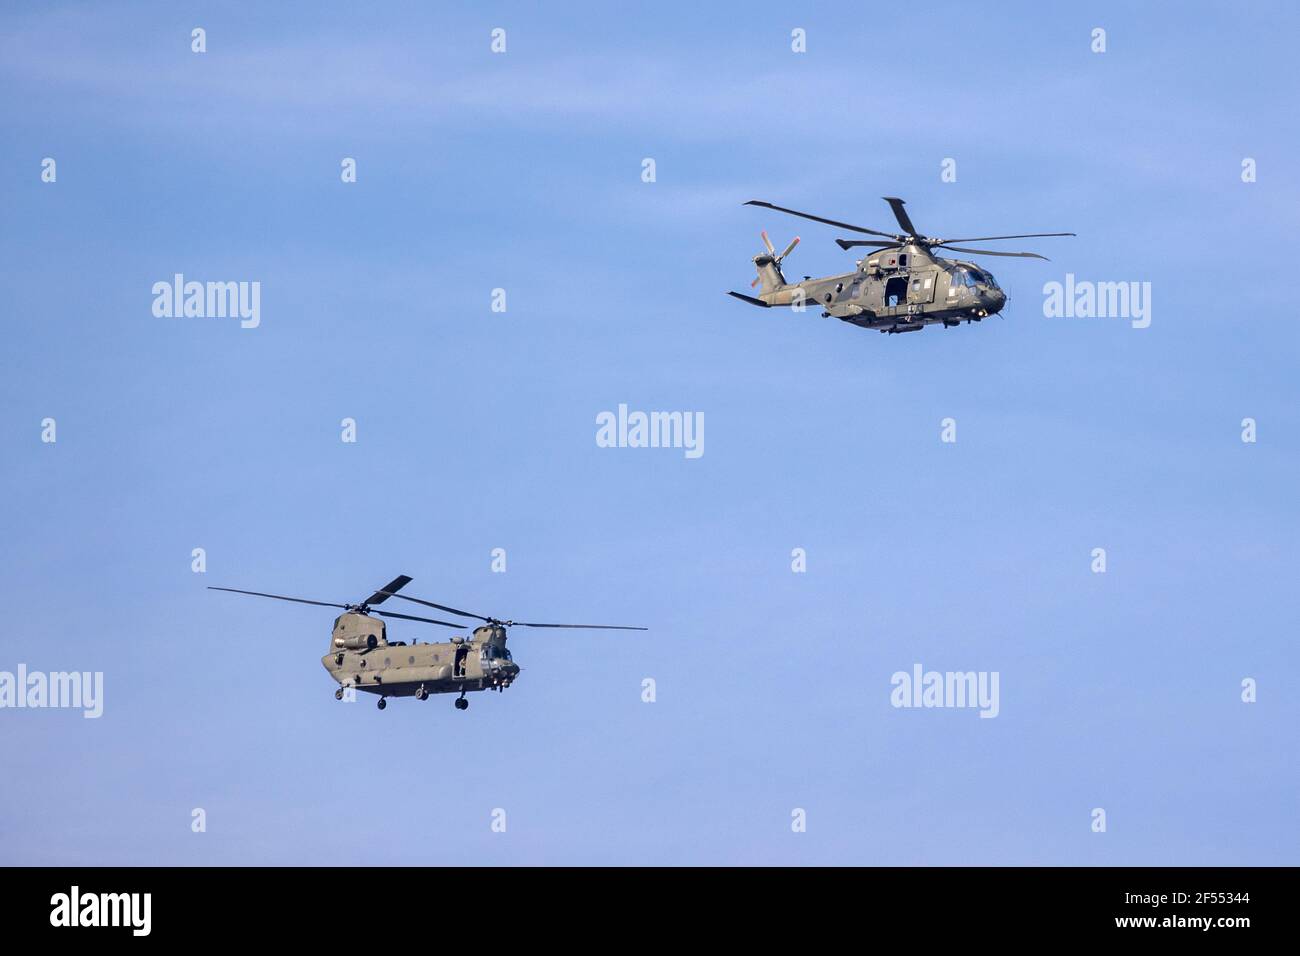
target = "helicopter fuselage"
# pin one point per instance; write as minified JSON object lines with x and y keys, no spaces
{"x":361,"y":657}
{"x":897,"y":289}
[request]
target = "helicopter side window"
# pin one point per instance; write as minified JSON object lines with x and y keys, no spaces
{"x":968,"y":278}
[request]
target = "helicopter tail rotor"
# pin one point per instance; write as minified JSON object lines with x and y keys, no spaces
{"x":769,"y":265}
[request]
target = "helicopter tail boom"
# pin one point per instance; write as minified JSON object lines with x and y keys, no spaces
{"x":770,"y":278}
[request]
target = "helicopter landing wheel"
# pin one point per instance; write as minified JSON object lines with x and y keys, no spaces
{"x":338,"y":694}
{"x":462,"y":703}
{"x":382,"y":703}
{"x":421,"y":694}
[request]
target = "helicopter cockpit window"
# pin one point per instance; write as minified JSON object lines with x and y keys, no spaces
{"x":968,"y":278}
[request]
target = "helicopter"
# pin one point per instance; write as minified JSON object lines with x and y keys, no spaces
{"x":362,"y":657}
{"x":902,"y":287}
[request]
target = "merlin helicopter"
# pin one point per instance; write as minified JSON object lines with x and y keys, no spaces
{"x":362,"y":657}
{"x":901,"y":287}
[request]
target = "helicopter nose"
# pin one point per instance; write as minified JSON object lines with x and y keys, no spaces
{"x":997,"y":299}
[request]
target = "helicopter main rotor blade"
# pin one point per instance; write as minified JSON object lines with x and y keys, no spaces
{"x":492,"y":620}
{"x":847,"y":244}
{"x":426,"y":620}
{"x":387,"y":591}
{"x":829,"y":222}
{"x":442,"y":607}
{"x":588,"y":627}
{"x":990,"y":252}
{"x":900,"y":214}
{"x":1027,"y":235}
{"x":279,"y":597}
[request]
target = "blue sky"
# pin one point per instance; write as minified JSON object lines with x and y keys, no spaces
{"x":476,"y":430}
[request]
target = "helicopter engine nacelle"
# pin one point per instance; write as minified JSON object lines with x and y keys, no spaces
{"x":358,"y":642}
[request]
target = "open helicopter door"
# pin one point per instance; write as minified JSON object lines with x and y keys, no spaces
{"x":895,"y":293}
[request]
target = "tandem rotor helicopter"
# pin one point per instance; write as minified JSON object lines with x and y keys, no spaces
{"x":902,"y":287}
{"x":361,"y":655}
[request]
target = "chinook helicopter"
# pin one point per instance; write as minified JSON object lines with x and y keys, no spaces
{"x":902,"y":287}
{"x":361,"y":656}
